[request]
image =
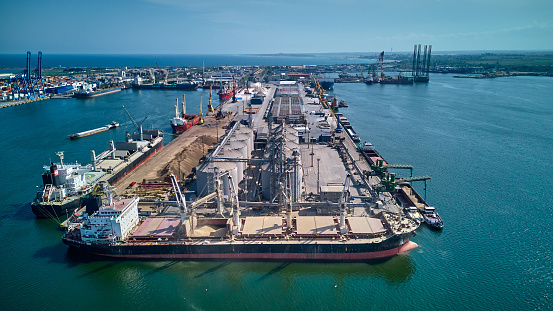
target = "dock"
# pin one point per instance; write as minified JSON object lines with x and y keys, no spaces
{"x":270,"y":180}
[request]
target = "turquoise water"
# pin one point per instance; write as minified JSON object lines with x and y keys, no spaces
{"x":487,"y":144}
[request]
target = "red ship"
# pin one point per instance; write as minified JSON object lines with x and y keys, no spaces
{"x":185,"y":121}
{"x":227,"y":92}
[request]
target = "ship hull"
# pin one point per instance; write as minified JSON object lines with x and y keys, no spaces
{"x":131,"y":166}
{"x":326,"y":85}
{"x":55,"y":209}
{"x":98,"y":93}
{"x":226,"y":95}
{"x":396,"y":81}
{"x":248,"y":250}
{"x":178,"y":128}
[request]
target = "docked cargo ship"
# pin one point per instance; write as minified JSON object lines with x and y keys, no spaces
{"x":227,"y":91}
{"x":301,"y":238}
{"x":87,"y":90}
{"x":63,"y":187}
{"x":123,"y":157}
{"x":181,"y":123}
{"x":325,"y":82}
{"x":370,"y":154}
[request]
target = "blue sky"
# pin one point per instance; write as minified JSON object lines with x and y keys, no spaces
{"x":268,"y":26}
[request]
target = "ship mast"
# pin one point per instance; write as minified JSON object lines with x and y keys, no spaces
{"x":183,"y":106}
{"x":177,"y":109}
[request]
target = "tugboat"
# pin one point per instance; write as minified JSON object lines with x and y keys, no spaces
{"x":432,"y":219}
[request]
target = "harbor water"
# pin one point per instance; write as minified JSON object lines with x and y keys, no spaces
{"x":487,"y":144}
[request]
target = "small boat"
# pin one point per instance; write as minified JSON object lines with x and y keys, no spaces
{"x":432,"y":219}
{"x":342,"y":103}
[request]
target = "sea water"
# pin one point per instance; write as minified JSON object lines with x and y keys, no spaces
{"x":487,"y":144}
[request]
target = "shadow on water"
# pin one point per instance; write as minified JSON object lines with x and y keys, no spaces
{"x":275,"y":270}
{"x":99,"y":269}
{"x":20,"y":211}
{"x":159,"y":269}
{"x":213,"y":269}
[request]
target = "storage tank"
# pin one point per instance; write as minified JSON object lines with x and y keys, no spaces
{"x":240,"y":146}
{"x":205,"y":178}
{"x":246,"y":139}
{"x":249,"y":132}
{"x":240,"y":166}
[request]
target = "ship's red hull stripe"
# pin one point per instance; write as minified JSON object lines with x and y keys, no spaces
{"x":282,"y":256}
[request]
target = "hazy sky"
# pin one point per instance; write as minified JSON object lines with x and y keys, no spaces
{"x":270,"y":26}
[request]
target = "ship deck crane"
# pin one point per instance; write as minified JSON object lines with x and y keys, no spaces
{"x":235,"y":207}
{"x":344,"y":198}
{"x":138,"y":126}
{"x":181,"y":201}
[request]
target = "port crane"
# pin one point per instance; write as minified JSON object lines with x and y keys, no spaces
{"x":209,"y":106}
{"x":29,"y":83}
{"x":138,"y":126}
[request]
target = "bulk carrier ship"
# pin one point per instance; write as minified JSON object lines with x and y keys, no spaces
{"x":116,"y":230}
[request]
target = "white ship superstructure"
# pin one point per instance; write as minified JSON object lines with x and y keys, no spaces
{"x":112,"y":222}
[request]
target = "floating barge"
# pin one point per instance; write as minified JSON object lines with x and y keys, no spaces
{"x":94,"y":131}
